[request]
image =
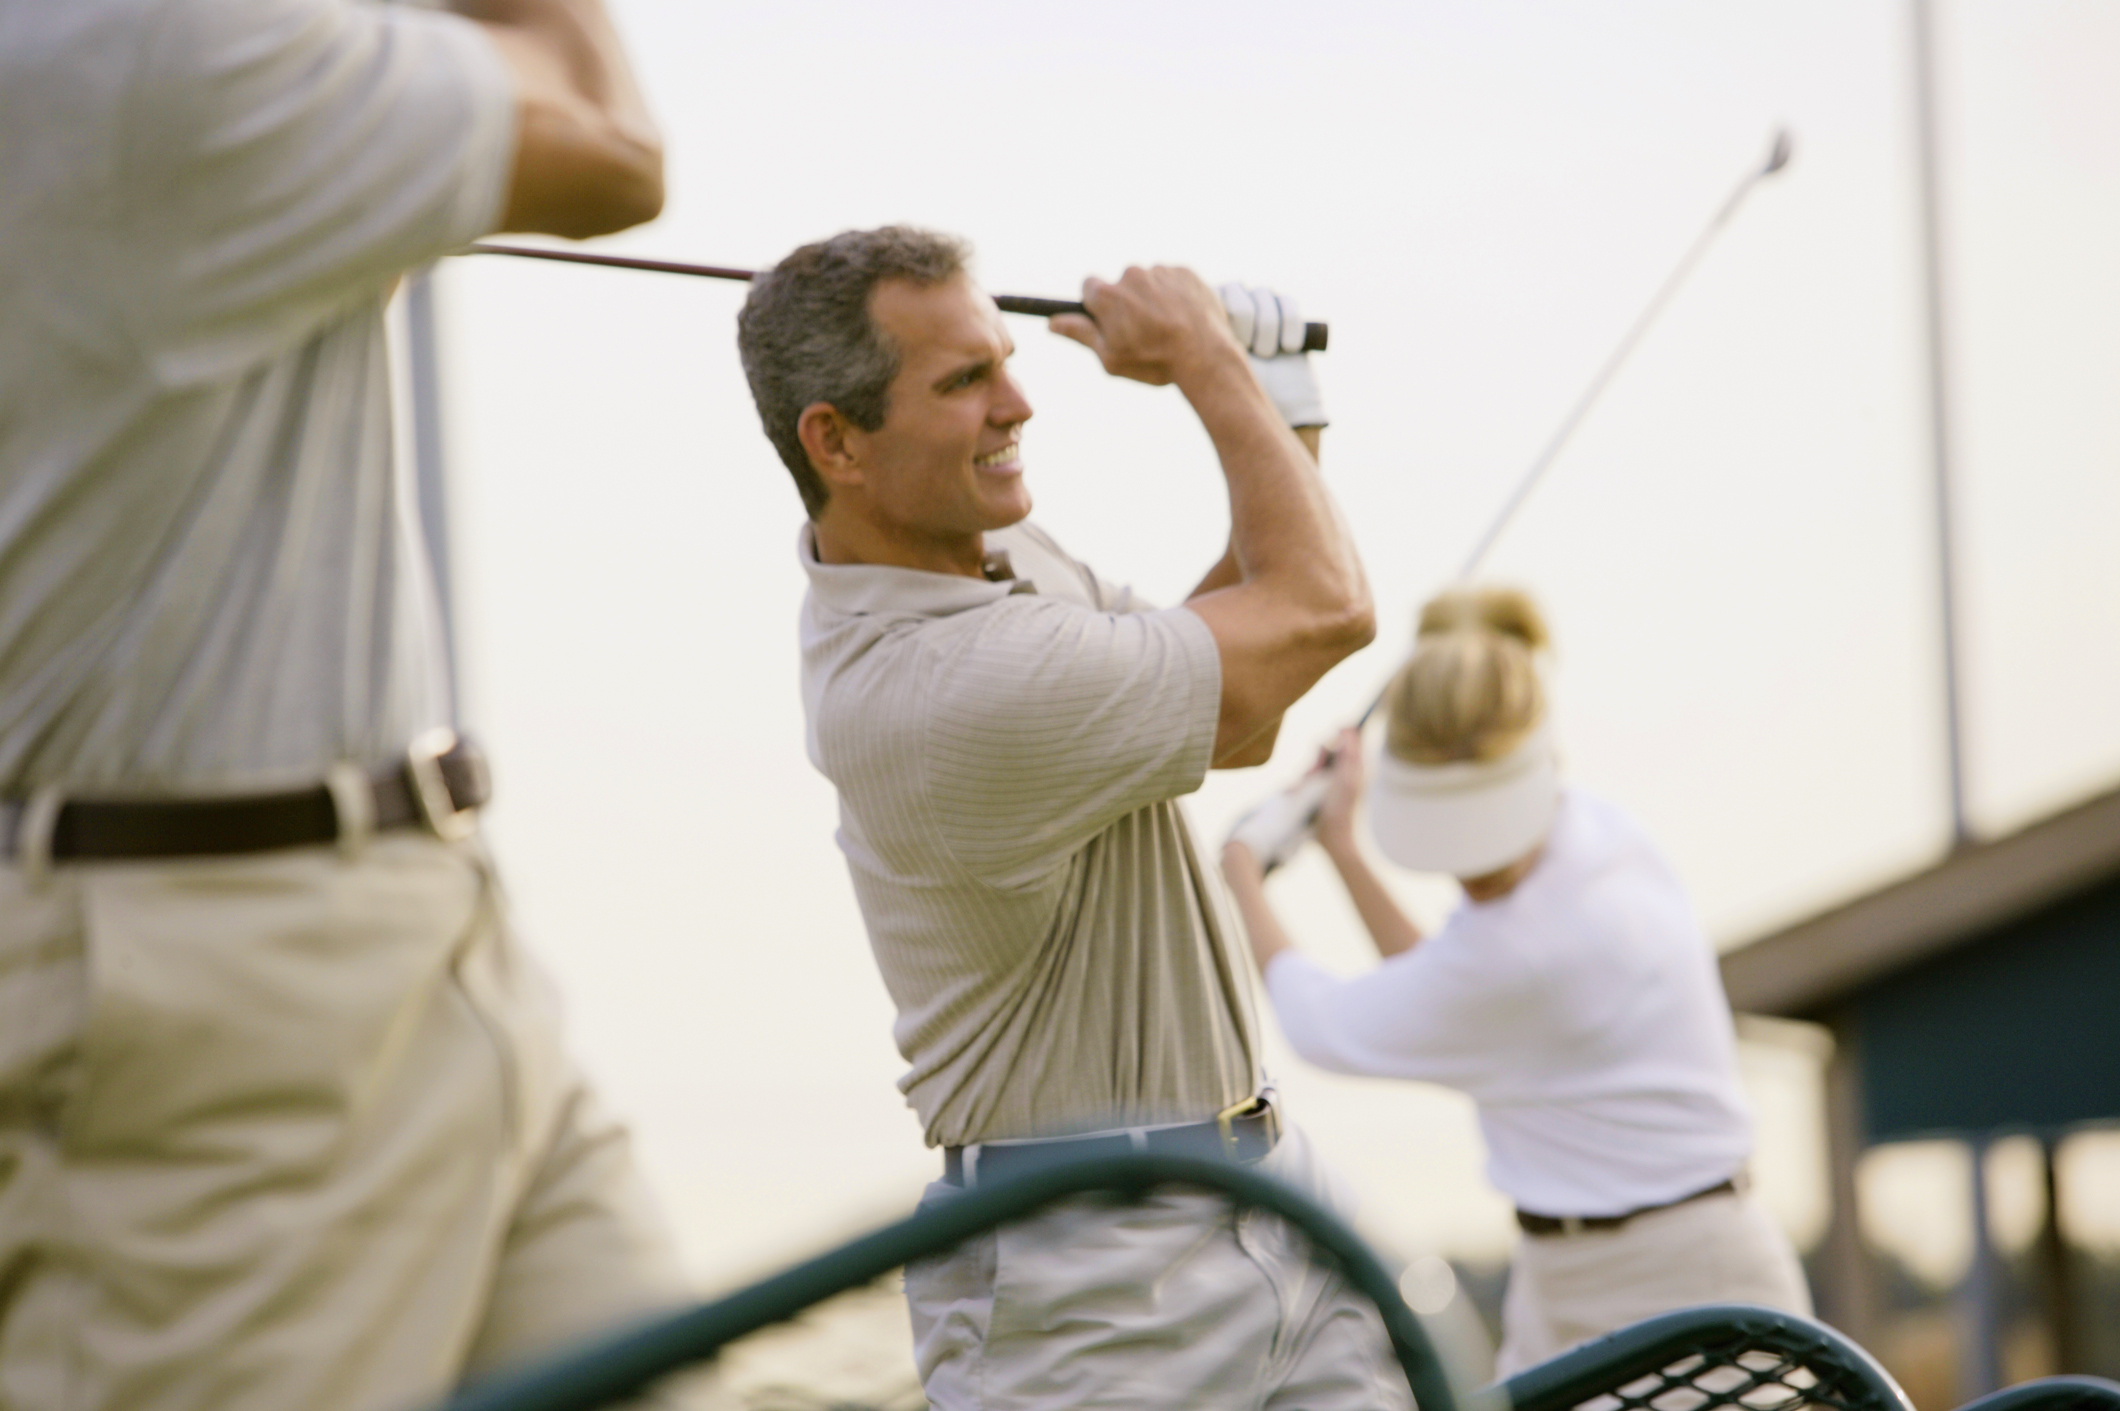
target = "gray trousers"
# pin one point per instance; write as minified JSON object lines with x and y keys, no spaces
{"x":1180,"y":1301}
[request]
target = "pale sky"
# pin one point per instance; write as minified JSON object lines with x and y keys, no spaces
{"x":1737,"y":553}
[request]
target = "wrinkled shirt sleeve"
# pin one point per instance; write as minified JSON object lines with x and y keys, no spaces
{"x":1050,"y":723}
{"x":287,"y":158}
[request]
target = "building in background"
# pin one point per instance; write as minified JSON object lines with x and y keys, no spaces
{"x":1973,"y":1102}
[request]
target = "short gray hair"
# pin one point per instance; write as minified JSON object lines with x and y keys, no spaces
{"x":806,"y":336}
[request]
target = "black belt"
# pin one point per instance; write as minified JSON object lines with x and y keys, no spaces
{"x":439,"y":784}
{"x":1575,"y":1224}
{"x":1243,"y":1134}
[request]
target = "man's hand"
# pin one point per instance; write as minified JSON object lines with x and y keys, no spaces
{"x":1157,"y":325}
{"x":1269,"y":326}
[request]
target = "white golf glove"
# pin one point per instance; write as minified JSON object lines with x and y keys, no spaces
{"x":1270,"y":327}
{"x":1277,"y":829}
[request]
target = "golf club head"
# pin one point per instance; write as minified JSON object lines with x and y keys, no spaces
{"x":1778,"y":156}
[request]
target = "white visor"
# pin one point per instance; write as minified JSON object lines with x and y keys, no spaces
{"x":1466,"y":818}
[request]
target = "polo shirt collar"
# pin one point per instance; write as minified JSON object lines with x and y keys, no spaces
{"x":857,"y":588}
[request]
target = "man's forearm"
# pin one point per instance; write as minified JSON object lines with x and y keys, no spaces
{"x":588,"y":158}
{"x":1227,"y":573}
{"x":1283,"y":525}
{"x":581,"y":34}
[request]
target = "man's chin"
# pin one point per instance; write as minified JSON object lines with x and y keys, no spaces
{"x":1002,"y":511}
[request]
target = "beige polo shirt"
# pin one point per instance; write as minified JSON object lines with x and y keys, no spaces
{"x":1009,"y":756}
{"x":213,"y":575}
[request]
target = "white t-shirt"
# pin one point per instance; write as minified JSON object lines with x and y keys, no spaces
{"x":1583,"y":1012}
{"x":211,"y":567}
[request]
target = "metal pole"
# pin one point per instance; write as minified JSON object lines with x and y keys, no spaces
{"x":2057,"y":1292}
{"x":1928,"y":173}
{"x":1847,"y":1290}
{"x":1980,"y":1359}
{"x":422,"y":340}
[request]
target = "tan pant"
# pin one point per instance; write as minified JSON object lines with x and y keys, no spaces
{"x":293,"y":1131}
{"x":1567,"y":1289}
{"x":1179,"y":1301}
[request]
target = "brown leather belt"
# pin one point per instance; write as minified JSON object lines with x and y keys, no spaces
{"x":439,"y":784}
{"x":1244,"y":1133}
{"x":1532,"y":1224}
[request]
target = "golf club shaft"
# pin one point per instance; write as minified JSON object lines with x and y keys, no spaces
{"x":1777,"y":158}
{"x":1315,"y":335}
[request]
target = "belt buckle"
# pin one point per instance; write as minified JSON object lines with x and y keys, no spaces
{"x":1225,"y":1121}
{"x":430,"y":791}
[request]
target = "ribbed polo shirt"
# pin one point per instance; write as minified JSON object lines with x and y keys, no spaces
{"x":1009,"y":754}
{"x":213,"y":575}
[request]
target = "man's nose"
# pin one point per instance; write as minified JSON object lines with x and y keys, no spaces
{"x":1011,"y":408}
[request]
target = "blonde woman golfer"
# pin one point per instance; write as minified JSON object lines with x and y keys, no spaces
{"x":1571,"y":995}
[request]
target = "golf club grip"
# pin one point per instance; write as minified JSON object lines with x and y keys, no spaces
{"x":1315,"y":335}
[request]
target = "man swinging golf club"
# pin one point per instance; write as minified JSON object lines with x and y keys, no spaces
{"x":1009,"y":735}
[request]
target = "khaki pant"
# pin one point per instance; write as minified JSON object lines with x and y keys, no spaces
{"x":1567,"y":1289}
{"x":294,"y":1131}
{"x":1179,"y":1301}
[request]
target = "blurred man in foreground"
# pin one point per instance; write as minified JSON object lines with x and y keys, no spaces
{"x":284,"y":1118}
{"x":1010,"y":735}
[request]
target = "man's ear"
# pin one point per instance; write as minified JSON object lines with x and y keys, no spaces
{"x":826,"y":435}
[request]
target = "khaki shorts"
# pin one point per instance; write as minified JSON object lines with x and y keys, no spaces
{"x":294,"y":1131}
{"x":1567,"y":1289}
{"x":1178,"y":1301}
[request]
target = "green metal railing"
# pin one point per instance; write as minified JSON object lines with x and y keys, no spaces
{"x":1723,"y":1356}
{"x":627,"y":1363}
{"x":2053,"y":1394}
{"x":1718,"y":1355}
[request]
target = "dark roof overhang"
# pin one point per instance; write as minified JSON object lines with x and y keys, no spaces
{"x":1807,"y":967}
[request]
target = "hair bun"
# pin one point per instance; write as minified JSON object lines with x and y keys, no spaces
{"x":1506,"y":612}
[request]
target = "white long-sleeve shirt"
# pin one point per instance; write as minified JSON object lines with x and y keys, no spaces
{"x":1583,"y":1012}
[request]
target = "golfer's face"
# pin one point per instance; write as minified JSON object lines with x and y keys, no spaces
{"x":946,"y":460}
